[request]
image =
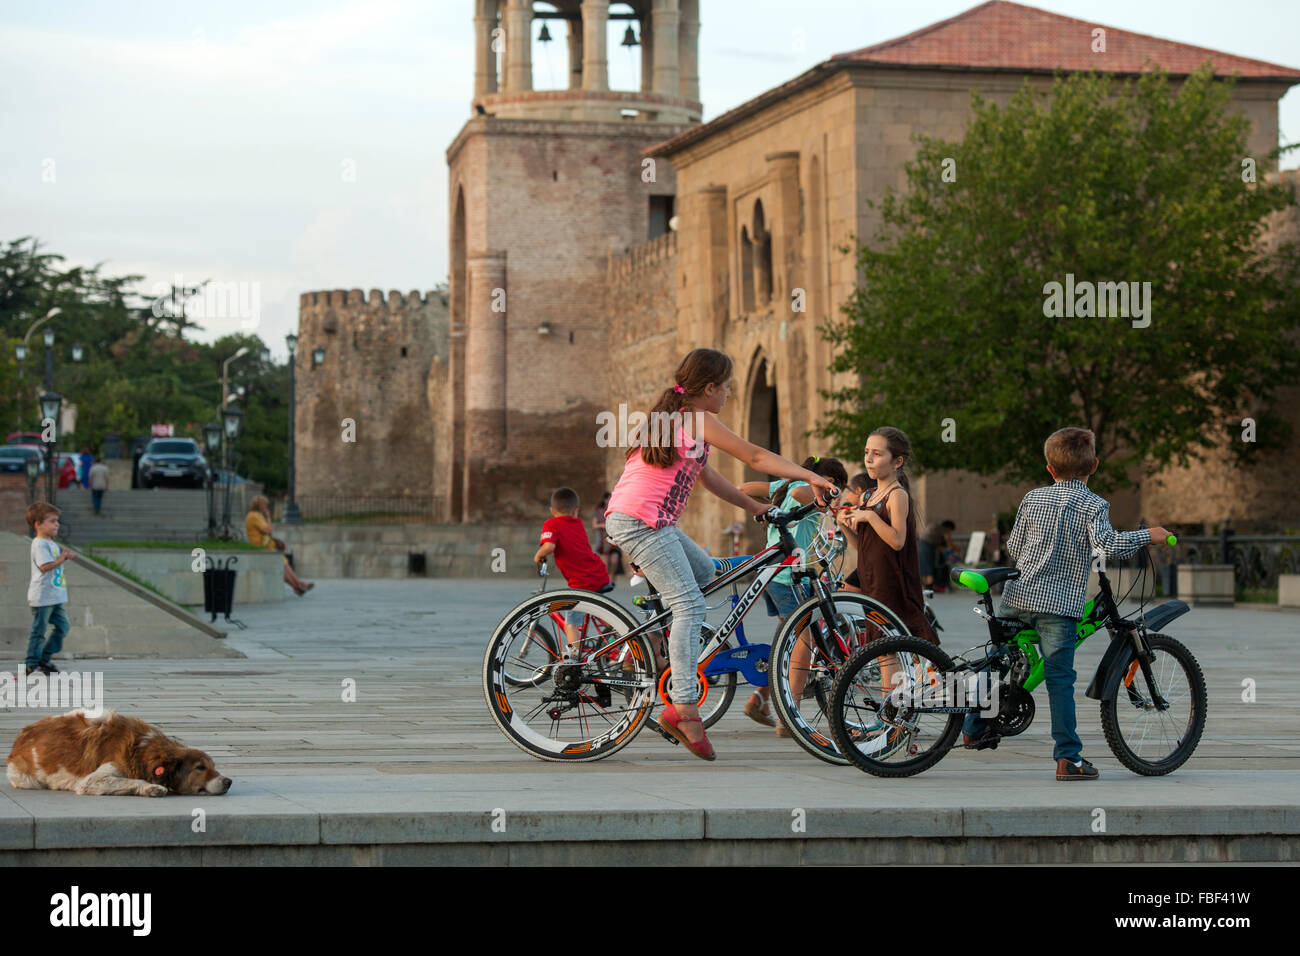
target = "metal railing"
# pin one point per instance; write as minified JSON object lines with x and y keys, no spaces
{"x":1256,"y":560}
{"x":402,"y":510}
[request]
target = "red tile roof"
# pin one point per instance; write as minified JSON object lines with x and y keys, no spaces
{"x":1001,"y":36}
{"x":1010,"y":36}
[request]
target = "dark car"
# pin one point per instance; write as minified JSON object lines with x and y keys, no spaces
{"x":172,"y":461}
{"x":14,"y":457}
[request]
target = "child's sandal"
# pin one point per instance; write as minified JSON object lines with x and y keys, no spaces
{"x":670,"y":720}
{"x":756,"y":710}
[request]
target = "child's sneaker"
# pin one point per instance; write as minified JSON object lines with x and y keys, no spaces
{"x":49,"y":668}
{"x":1066,"y":770}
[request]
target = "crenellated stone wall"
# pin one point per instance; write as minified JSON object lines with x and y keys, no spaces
{"x":384,"y":365}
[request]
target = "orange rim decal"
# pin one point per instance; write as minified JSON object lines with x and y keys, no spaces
{"x":503,"y":703}
{"x":557,"y":606}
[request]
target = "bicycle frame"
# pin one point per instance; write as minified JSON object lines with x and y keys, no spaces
{"x":1099,"y":612}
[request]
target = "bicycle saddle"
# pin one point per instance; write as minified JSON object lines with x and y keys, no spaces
{"x":981,"y":579}
{"x":606,"y":588}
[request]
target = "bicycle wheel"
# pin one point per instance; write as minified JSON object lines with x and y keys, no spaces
{"x":806,"y":654}
{"x":880,"y":702}
{"x":530,"y":664}
{"x":578,"y":711}
{"x":1156,"y":742}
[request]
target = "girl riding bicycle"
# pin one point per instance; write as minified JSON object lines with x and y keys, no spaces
{"x":650,"y":497}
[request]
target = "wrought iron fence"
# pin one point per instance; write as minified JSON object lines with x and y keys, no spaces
{"x":408,"y":509}
{"x":1256,"y":560}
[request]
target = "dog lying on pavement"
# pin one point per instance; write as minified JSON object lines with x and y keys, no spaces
{"x":108,"y":755}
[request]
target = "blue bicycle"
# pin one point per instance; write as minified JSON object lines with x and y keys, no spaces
{"x":592,"y":704}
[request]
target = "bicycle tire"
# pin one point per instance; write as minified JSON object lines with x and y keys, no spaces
{"x":845,"y":679}
{"x":722,"y":689}
{"x":814,"y":735}
{"x":1110,"y":711}
{"x":513,"y":723}
{"x":541,"y":634}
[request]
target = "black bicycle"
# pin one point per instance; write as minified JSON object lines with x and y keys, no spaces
{"x":898,"y":703}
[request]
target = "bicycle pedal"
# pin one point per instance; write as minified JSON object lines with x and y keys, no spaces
{"x":666,"y":735}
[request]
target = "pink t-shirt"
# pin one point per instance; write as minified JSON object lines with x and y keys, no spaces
{"x":658,"y":496}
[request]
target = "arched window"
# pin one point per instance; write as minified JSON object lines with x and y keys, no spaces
{"x":746,"y":272}
{"x":762,"y":280}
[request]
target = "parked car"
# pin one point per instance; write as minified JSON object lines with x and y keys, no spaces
{"x":14,"y":457}
{"x":23,"y":438}
{"x":173,"y":461}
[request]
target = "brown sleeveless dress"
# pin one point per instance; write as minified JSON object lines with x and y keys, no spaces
{"x":894,"y":577}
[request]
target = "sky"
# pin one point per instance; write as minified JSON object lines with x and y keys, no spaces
{"x":294,"y":146}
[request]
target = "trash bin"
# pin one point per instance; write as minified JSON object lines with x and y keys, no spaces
{"x":219,"y":588}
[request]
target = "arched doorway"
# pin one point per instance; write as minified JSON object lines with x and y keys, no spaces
{"x":763,"y":428}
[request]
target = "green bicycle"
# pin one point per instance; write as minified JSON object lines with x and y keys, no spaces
{"x":913,"y":697}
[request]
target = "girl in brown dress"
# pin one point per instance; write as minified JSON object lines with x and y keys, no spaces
{"x":888,"y":567}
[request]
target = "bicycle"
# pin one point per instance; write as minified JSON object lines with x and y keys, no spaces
{"x":801,"y":689}
{"x":553,"y":717}
{"x":919,"y":713}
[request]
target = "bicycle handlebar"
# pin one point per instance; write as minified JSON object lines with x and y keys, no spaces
{"x":782,"y":518}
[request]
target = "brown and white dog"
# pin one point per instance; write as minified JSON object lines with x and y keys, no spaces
{"x":108,"y":755}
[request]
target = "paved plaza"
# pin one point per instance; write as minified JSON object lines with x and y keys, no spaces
{"x":415,"y":771}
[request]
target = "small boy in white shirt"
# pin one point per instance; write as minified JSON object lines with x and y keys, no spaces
{"x":48,"y":590}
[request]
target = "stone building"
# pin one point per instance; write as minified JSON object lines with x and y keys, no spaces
{"x":569,"y":293}
{"x":383,"y":368}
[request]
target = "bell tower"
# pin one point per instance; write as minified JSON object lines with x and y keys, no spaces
{"x":547,"y":178}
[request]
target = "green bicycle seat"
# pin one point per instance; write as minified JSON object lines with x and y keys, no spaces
{"x":982,"y":579}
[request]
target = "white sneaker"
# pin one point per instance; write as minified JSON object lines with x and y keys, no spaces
{"x":635,"y":580}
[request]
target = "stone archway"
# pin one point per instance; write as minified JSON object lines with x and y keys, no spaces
{"x":762,"y":423}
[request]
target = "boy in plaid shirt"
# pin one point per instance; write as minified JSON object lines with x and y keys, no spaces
{"x":1058,"y":530}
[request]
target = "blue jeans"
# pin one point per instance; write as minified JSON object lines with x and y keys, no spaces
{"x":97,"y":499}
{"x":1057,"y":636}
{"x":781,"y":600}
{"x":677,"y":568}
{"x":42,"y":617}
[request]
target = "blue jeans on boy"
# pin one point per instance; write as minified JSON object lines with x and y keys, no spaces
{"x":42,"y":618}
{"x":1057,"y":637}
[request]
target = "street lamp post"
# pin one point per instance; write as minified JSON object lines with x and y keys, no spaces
{"x":212,"y":442}
{"x":291,"y":513}
{"x":233,"y":419}
{"x":49,"y":359}
{"x":50,"y":404}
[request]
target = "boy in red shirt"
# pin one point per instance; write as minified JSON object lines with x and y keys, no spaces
{"x":565,"y":534}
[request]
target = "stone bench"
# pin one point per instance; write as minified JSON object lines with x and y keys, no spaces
{"x":1288,"y":590}
{"x":260,"y":577}
{"x":1207,"y":583}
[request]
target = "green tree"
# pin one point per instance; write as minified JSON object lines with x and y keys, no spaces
{"x":1104,"y":181}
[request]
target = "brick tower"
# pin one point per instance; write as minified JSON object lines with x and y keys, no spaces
{"x":544,"y":185}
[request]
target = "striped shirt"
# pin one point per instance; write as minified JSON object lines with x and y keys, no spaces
{"x":1058,"y":530}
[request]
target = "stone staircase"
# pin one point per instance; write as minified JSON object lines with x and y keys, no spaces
{"x":159,"y":514}
{"x":110,"y":615}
